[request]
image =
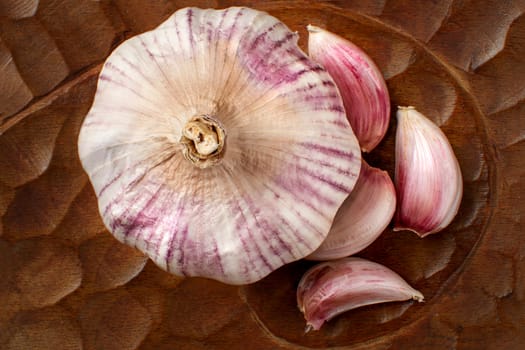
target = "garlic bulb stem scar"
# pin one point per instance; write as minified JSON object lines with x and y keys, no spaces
{"x":203,"y":139}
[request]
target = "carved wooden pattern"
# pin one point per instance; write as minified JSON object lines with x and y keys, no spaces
{"x":65,"y":283}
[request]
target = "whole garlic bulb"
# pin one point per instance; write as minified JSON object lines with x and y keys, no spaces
{"x":217,"y":147}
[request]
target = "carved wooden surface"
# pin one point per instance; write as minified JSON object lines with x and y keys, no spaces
{"x":65,"y":283}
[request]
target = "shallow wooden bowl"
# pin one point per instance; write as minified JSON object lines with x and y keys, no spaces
{"x":65,"y":283}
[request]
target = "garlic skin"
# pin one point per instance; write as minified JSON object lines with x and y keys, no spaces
{"x":427,"y":176}
{"x":363,"y":216}
{"x":217,"y":147}
{"x":331,"y":288}
{"x":362,"y":86}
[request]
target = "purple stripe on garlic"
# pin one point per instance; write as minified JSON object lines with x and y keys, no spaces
{"x":217,"y":147}
{"x":428,"y":177}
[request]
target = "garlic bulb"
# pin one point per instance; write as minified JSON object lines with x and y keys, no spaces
{"x":331,"y":288}
{"x":362,"y":86}
{"x":217,"y":147}
{"x":363,"y":216}
{"x":427,"y":176}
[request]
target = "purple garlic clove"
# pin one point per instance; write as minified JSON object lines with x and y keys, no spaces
{"x":362,"y":86}
{"x":331,"y":288}
{"x":427,"y":177}
{"x":217,"y":147}
{"x":363,"y":216}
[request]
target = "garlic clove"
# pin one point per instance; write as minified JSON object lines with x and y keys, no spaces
{"x":363,"y":216}
{"x":362,"y":86}
{"x":217,"y":147}
{"x":427,"y":176}
{"x":331,"y":288}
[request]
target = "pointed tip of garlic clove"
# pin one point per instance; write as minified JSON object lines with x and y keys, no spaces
{"x":364,"y":215}
{"x":331,"y":288}
{"x":428,"y":177}
{"x":360,"y":82}
{"x":313,"y":29}
{"x":420,"y":232}
{"x":309,"y":327}
{"x":418,"y":296}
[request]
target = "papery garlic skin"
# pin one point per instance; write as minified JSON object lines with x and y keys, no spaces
{"x":362,"y":86}
{"x":362,"y":218}
{"x":331,"y":288}
{"x":428,"y":177}
{"x":235,"y":206}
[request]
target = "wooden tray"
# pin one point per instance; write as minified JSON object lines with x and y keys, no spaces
{"x":65,"y":283}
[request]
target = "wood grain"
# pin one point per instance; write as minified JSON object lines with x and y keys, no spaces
{"x":65,"y":283}
{"x":14,"y":92}
{"x":37,"y":57}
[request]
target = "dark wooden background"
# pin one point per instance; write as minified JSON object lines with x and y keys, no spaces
{"x":65,"y":283}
